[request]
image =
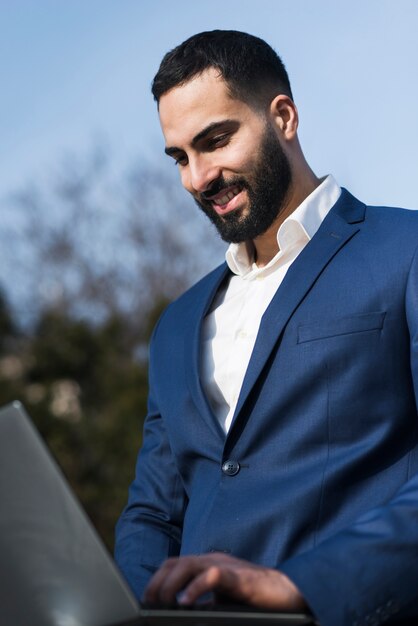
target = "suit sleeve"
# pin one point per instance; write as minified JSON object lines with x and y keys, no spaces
{"x":150,"y":527}
{"x":368,"y":573}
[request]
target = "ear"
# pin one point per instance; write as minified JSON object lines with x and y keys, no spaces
{"x":284,"y":116}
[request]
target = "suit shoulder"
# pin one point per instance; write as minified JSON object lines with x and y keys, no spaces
{"x":400,"y":226}
{"x":393,"y":215}
{"x":201,"y":288}
{"x":199,"y":293}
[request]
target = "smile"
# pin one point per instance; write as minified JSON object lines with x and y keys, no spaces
{"x":224,"y":197}
{"x":226,"y":200}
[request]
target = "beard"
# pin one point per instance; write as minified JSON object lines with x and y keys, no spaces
{"x":267,"y":191}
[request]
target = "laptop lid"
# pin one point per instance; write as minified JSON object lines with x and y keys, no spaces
{"x":54,"y":568}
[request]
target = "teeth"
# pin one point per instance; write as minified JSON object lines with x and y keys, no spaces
{"x":228,"y":196}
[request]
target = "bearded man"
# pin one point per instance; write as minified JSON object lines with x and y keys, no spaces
{"x":280,"y":455}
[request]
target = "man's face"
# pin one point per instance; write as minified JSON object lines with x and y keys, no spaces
{"x":229,"y":157}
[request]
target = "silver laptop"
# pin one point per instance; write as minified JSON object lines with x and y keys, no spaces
{"x":54,"y":569}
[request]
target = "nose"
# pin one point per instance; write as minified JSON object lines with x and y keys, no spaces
{"x":201,"y":173}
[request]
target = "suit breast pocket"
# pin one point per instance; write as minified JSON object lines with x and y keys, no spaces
{"x":364,"y":322}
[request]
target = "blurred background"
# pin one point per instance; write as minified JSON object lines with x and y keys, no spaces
{"x":96,"y":234}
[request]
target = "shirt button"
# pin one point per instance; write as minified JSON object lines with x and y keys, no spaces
{"x":230,"y":468}
{"x":242,"y":334}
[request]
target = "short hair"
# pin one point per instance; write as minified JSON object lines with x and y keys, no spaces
{"x":252,"y":70}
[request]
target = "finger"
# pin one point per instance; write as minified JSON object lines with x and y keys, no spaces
{"x":176,"y":572}
{"x":173,"y":578}
{"x":151,"y":593}
{"x":213,"y":578}
{"x":177,"y":579}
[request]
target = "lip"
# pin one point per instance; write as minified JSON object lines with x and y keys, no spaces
{"x":229,"y":206}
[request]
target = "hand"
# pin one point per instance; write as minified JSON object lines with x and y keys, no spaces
{"x":239,"y":580}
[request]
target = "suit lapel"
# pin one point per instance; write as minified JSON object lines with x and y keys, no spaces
{"x":340,"y":225}
{"x":206,"y":291}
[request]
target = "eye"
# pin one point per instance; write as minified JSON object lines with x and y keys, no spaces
{"x":219,"y":141}
{"x":181,"y":160}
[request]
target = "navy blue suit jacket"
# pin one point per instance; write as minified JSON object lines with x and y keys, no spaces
{"x":325,"y":430}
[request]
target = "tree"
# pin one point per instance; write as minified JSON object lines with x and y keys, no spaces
{"x":92,"y":263}
{"x":95,"y":245}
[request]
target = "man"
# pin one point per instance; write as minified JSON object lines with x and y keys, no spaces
{"x":280,"y":451}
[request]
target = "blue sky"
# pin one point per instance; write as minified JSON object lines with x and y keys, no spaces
{"x":76,"y":72}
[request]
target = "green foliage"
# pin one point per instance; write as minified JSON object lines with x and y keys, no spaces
{"x":89,"y":260}
{"x":86,"y":392}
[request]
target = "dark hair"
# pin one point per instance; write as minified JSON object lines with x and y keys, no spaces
{"x":252,"y":70}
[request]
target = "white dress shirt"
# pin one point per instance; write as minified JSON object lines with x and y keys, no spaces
{"x":230,"y":328}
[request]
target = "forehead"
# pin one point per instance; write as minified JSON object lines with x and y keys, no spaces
{"x":185,"y":110}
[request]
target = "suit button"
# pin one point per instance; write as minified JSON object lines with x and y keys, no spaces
{"x":230,"y":468}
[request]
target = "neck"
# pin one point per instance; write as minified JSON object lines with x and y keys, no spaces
{"x":266,"y":246}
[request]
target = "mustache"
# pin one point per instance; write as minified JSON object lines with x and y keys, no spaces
{"x":219,"y":184}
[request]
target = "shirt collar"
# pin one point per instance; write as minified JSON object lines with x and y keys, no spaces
{"x":301,"y":224}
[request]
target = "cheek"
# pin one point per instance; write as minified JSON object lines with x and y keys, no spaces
{"x":240,"y":159}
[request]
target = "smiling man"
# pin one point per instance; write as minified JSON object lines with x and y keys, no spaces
{"x":233,"y":166}
{"x":280,"y":455}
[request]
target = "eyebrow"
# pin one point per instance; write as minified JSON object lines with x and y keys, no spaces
{"x":204,"y":133}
